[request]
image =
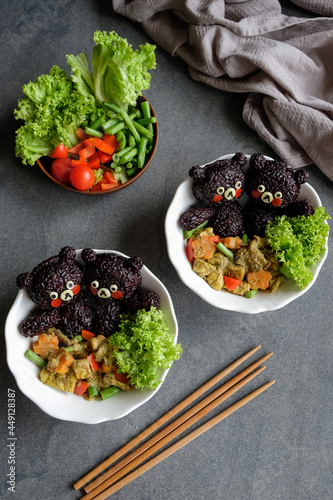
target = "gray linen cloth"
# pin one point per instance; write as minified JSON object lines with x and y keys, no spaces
{"x":283,"y":63}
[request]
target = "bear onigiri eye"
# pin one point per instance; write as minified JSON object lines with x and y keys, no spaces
{"x":113,"y":288}
{"x":238,"y":185}
{"x":278,"y":194}
{"x":70,"y":285}
{"x":220,"y":190}
{"x":94,"y":284}
{"x":261,"y":188}
{"x":53,"y":295}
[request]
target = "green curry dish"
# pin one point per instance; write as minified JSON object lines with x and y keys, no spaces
{"x":299,"y":242}
{"x":145,"y":345}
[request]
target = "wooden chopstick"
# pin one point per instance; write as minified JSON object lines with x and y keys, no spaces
{"x":167,"y":416}
{"x":174,"y":428}
{"x":165,"y":436}
{"x":182,"y":442}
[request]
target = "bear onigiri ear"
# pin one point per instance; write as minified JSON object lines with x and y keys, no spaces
{"x":198,"y":173}
{"x":67,"y":254}
{"x":301,"y":176}
{"x":23,"y":280}
{"x":88,"y":255}
{"x":258,"y":161}
{"x":135,"y":263}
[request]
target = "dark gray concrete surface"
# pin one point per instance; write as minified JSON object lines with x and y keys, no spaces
{"x":279,"y":447}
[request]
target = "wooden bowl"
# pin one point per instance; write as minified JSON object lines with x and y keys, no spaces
{"x":45,"y":163}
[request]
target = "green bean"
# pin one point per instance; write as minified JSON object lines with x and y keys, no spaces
{"x":129,"y":165}
{"x":142,"y":130}
{"x":121,"y":139}
{"x":115,"y":158}
{"x":93,"y":391}
{"x":132,"y":171}
{"x":97,"y":123}
{"x":245,"y":238}
{"x":225,"y":250}
{"x":109,"y":123}
{"x":109,"y":392}
{"x":251,"y":294}
{"x":92,"y":131}
{"x":32,"y":356}
{"x":118,"y":169}
{"x":125,"y":117}
{"x":145,"y":106}
{"x":188,"y":234}
{"x":128,"y":156}
{"x":147,"y":121}
{"x":142,"y":152}
{"x":131,"y":140}
{"x":115,"y":128}
{"x":114,"y":164}
{"x":124,"y":151}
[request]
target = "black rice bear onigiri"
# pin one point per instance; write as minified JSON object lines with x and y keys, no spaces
{"x":114,"y":281}
{"x":55,"y":285}
{"x":218,"y":187}
{"x":273,"y":188}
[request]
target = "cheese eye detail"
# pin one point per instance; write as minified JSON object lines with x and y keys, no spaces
{"x":220,"y":190}
{"x":261,"y":188}
{"x":53,"y":295}
{"x":94,"y":284}
{"x":278,"y":195}
{"x":69,"y":285}
{"x":238,"y":185}
{"x":113,"y":288}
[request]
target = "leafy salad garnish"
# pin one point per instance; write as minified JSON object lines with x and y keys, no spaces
{"x":299,"y":242}
{"x":56,"y":104}
{"x":145,"y":345}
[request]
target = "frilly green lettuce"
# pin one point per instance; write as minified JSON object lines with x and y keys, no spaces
{"x":299,"y":242}
{"x":145,"y":344}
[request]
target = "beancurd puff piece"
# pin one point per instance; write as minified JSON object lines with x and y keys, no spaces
{"x":242,"y":289}
{"x":81,"y":368}
{"x":65,"y":382}
{"x":215,"y":280}
{"x":202,"y":267}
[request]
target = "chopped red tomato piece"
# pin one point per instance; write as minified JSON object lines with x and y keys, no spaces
{"x":60,"y":151}
{"x":94,"y":163}
{"x":77,"y":148}
{"x":90,"y":141}
{"x":109,"y":177}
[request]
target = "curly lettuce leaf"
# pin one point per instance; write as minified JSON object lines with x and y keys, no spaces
{"x":298,"y":242}
{"x":53,"y":109}
{"x":145,"y":345}
{"x":119,"y":73}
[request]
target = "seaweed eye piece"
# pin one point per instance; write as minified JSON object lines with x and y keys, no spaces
{"x":53,"y":295}
{"x":261,"y":188}
{"x":220,"y":190}
{"x":113,"y":288}
{"x":94,"y":284}
{"x":278,"y":194}
{"x":238,"y":185}
{"x":69,"y":285}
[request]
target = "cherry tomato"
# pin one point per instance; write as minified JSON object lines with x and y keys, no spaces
{"x":82,"y":177}
{"x":60,"y":170}
{"x":60,"y":151}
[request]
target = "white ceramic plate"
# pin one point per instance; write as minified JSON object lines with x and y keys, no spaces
{"x":63,"y":405}
{"x":184,"y":199}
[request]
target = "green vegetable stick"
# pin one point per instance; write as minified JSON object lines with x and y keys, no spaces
{"x":188,"y":234}
{"x":92,"y":391}
{"x":35,"y":358}
{"x":93,"y":132}
{"x":251,"y":294}
{"x":142,"y":152}
{"x":125,"y":117}
{"x":97,"y":123}
{"x":129,"y":156}
{"x":115,"y":128}
{"x":109,"y":392}
{"x":223,"y":249}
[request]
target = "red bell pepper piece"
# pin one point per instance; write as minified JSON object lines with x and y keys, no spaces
{"x":86,"y":334}
{"x":231,"y":283}
{"x":77,"y":148}
{"x":189,"y":250}
{"x":86,"y":152}
{"x":81,"y":388}
{"x":93,"y":363}
{"x":104,"y":157}
{"x":94,"y":164}
{"x":111,"y":141}
{"x":90,"y":141}
{"x":120,"y":377}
